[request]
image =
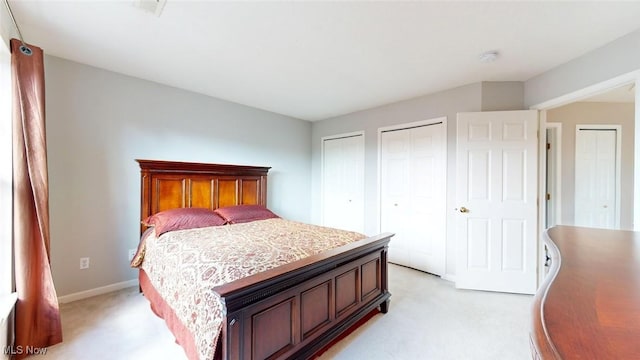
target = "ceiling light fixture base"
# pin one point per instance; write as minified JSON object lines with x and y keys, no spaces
{"x":488,"y":56}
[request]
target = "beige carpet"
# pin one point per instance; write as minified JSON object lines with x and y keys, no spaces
{"x":428,"y":319}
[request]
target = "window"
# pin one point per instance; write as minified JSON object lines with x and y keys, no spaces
{"x":6,"y":258}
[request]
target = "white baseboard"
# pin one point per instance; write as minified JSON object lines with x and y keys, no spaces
{"x":97,"y":291}
{"x":449,"y":277}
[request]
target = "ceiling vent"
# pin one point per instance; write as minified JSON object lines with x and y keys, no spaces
{"x":151,"y":6}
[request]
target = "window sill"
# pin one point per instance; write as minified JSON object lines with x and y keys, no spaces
{"x":7,"y":302}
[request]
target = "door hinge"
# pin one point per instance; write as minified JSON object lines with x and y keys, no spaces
{"x":548,"y":196}
{"x":548,"y":146}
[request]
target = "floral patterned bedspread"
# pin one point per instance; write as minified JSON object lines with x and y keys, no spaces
{"x":185,"y":265}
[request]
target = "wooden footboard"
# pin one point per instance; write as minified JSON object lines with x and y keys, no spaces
{"x":293,"y":311}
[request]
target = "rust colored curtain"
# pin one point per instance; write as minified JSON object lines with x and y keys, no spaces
{"x":37,"y":314}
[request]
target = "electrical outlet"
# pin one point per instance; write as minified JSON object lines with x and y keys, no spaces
{"x":84,"y":263}
{"x":132,"y":253}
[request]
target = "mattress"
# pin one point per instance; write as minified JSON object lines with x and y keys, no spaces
{"x":184,"y":266}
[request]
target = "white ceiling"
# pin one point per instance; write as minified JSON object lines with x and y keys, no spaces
{"x":315,"y":60}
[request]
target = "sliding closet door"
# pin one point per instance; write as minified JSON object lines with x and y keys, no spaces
{"x":413,"y":195}
{"x":343,"y":182}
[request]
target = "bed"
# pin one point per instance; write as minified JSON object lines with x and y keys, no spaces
{"x":291,"y":311}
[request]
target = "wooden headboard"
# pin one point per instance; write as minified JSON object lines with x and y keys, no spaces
{"x":168,"y":185}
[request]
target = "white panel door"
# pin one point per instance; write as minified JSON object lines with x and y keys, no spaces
{"x":595,"y":178}
{"x":343,"y":182}
{"x":496,"y":191}
{"x":413,"y":195}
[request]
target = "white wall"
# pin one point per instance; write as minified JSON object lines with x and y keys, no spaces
{"x":6,"y":25}
{"x":502,"y":96}
{"x":596,"y":113}
{"x":6,"y":258}
{"x":446,"y":103}
{"x":6,"y":195}
{"x":98,"y":122}
{"x":614,"y":59}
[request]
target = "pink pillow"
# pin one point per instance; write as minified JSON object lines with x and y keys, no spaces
{"x":245,"y":213}
{"x":182,"y":219}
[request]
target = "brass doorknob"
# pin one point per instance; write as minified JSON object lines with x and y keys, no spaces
{"x":464,"y":210}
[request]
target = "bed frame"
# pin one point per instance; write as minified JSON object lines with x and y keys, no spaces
{"x":289,"y":312}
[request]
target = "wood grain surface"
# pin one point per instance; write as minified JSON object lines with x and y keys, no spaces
{"x":589,"y":304}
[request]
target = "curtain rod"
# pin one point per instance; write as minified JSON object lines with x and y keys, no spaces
{"x":23,"y":48}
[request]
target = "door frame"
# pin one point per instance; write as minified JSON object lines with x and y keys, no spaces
{"x":322,"y":185}
{"x":557,"y":179}
{"x":632,"y":77}
{"x":618,"y":129}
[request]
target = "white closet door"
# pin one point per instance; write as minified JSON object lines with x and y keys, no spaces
{"x":343,"y":182}
{"x":596,"y":178}
{"x":413,"y":195}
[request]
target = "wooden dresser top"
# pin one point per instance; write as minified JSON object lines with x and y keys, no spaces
{"x":589,"y":305}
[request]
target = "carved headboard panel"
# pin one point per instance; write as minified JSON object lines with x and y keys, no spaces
{"x":167,"y":185}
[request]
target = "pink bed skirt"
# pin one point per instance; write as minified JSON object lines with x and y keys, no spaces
{"x":162,"y":310}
